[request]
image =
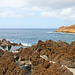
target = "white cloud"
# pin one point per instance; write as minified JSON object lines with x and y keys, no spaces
{"x":64,"y":14}
{"x":49,"y":14}
{"x":54,"y":4}
{"x":12,"y":3}
{"x":47,"y":8}
{"x":66,"y":11}
{"x":36,"y":9}
{"x":9,"y":14}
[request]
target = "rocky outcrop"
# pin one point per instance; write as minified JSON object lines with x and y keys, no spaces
{"x":8,"y":65}
{"x":47,"y":58}
{"x":50,"y":69}
{"x":60,"y":51}
{"x":4,"y":43}
{"x":67,"y":29}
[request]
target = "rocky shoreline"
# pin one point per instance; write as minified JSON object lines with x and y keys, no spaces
{"x":67,"y":29}
{"x":44,"y":58}
{"x":4,"y":42}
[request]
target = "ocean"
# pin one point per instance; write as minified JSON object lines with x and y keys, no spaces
{"x":30,"y":37}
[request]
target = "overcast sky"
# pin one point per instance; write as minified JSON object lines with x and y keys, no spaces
{"x":36,"y":13}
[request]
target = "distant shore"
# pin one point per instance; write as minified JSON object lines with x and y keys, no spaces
{"x":67,"y":29}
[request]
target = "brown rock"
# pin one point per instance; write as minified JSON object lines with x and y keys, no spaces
{"x":46,"y":64}
{"x":8,"y":65}
{"x":1,"y":52}
{"x":67,"y":29}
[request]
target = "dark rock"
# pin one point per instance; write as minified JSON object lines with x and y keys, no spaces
{"x":14,"y":44}
{"x":4,"y":42}
{"x":20,"y":44}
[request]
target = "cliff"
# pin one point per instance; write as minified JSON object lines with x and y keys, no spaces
{"x":67,"y":29}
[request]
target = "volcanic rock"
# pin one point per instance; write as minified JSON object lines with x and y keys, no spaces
{"x":8,"y":65}
{"x":1,"y":52}
{"x":4,"y":42}
{"x":59,"y":51}
{"x":54,"y":69}
{"x":25,"y":54}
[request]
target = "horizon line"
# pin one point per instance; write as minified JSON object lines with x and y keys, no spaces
{"x":28,"y":28}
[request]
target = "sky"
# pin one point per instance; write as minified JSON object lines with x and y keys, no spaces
{"x":36,"y":13}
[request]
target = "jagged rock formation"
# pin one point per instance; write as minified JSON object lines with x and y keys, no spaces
{"x":8,"y":65}
{"x":4,"y":42}
{"x":60,"y":52}
{"x":67,"y":29}
{"x":53,"y":69}
{"x":42,"y":56}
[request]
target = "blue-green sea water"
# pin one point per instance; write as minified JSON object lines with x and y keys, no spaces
{"x":31,"y":36}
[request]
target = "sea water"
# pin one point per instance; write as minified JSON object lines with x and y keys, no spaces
{"x":30,"y":37}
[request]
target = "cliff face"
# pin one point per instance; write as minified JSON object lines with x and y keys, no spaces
{"x":67,"y":29}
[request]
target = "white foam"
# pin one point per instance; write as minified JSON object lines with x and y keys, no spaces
{"x":25,"y":44}
{"x":51,"y":32}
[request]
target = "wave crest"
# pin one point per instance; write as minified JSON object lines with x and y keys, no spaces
{"x":25,"y":44}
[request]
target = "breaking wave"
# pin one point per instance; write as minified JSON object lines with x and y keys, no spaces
{"x":25,"y":44}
